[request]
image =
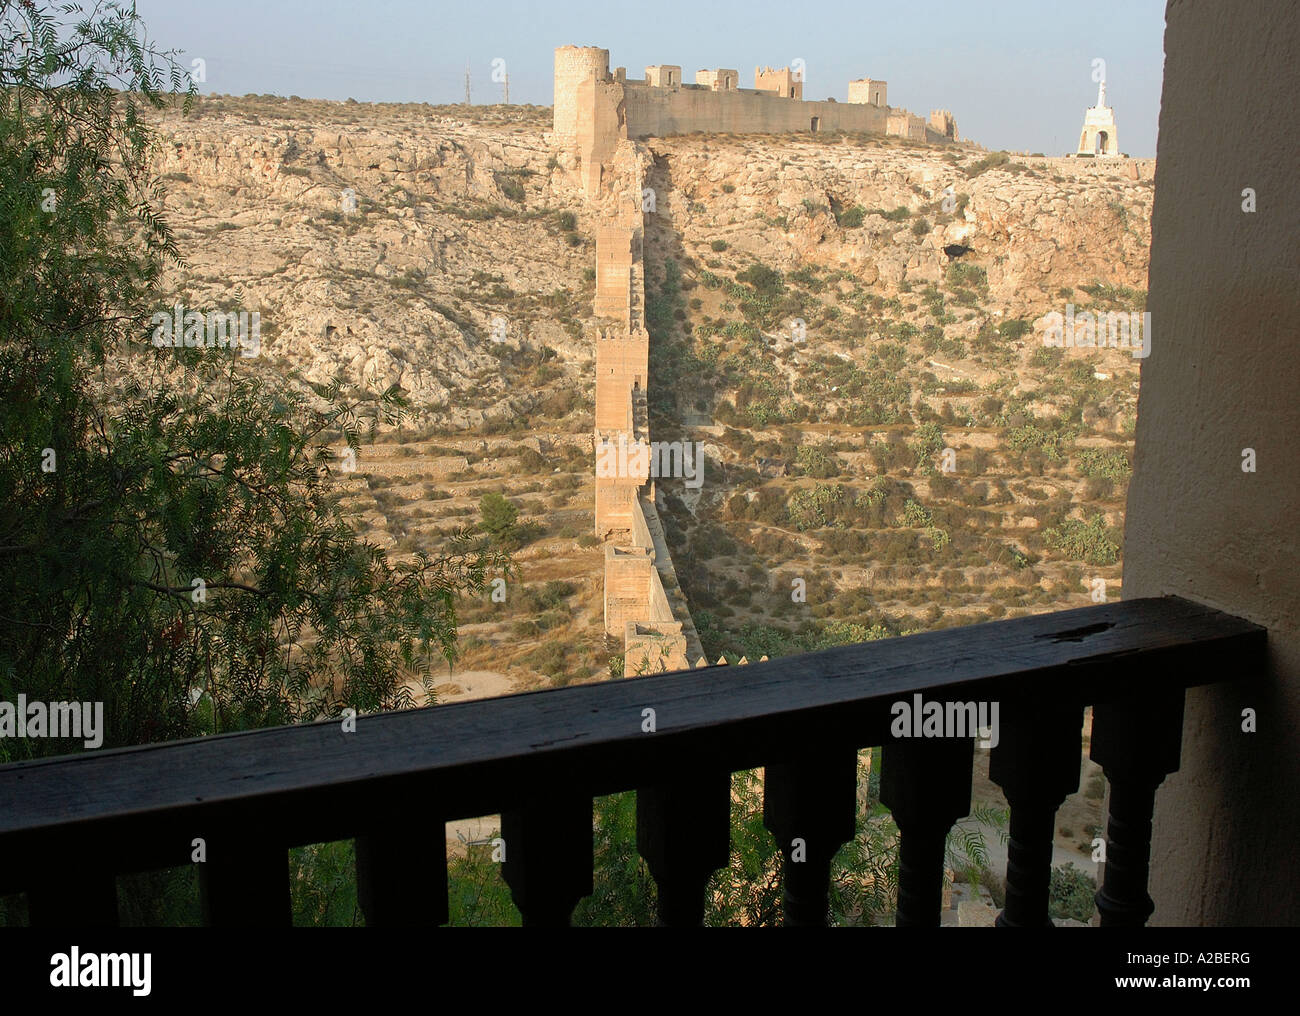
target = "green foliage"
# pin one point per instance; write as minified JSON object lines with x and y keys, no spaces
{"x":916,"y":514}
{"x":324,"y":881}
{"x":1052,"y":442}
{"x":851,"y":218}
{"x":1108,"y":296}
{"x":810,"y":507}
{"x":663,"y":303}
{"x":1098,"y":462}
{"x":765,"y":281}
{"x":719,"y":245}
{"x":927,"y":443}
{"x":1015,"y":328}
{"x":960,"y":273}
{"x":993,"y":161}
{"x":500,"y":519}
{"x":477,"y":895}
{"x":510,"y":187}
{"x":818,"y":461}
{"x":179,"y":464}
{"x":1089,"y":541}
{"x":846,"y":633}
{"x":1071,"y":893}
{"x":1047,"y":357}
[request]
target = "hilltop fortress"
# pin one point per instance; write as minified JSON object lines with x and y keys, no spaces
{"x":595,"y":109}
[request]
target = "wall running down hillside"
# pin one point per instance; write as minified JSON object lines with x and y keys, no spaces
{"x":643,"y":603}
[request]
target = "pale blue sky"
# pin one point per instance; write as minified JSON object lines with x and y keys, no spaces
{"x":1016,"y":73}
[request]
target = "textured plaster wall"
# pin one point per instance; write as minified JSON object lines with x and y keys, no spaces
{"x":1223,"y":375}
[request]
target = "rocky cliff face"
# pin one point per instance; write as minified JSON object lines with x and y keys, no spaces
{"x":1036,"y":224}
{"x":398,"y":244}
{"x":388,"y":245}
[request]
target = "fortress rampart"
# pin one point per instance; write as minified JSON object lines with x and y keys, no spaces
{"x":642,"y":604}
{"x":596,"y":109}
{"x":600,"y":117}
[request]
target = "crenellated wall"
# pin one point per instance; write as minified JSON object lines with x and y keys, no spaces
{"x":659,"y":112}
{"x":643,"y":604}
{"x":596,"y":110}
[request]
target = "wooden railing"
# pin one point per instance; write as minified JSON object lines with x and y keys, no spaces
{"x":69,"y":825}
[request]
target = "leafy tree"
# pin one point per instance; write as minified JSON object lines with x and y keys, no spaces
{"x":500,"y":518}
{"x":172,"y":545}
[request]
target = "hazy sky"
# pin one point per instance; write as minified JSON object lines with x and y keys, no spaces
{"x":1016,"y":73}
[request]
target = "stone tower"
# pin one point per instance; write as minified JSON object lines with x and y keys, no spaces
{"x":1099,"y":136}
{"x":869,"y":92}
{"x":783,"y":81}
{"x":574,"y":64}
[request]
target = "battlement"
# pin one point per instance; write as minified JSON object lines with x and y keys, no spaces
{"x":780,"y":81}
{"x":629,"y":335}
{"x":595,"y":110}
{"x":906,"y":125}
{"x":942,"y":121}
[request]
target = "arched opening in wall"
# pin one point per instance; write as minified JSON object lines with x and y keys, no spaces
{"x":816,"y":124}
{"x":792,"y":92}
{"x":1101,"y":143}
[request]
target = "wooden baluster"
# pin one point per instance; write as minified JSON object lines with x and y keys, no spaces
{"x":683,"y":830}
{"x":1137,"y":743}
{"x":548,"y":863}
{"x":925,"y":783}
{"x":1036,"y":763}
{"x":389,"y":894}
{"x":71,"y":895}
{"x":244,"y":883}
{"x":813,"y":800}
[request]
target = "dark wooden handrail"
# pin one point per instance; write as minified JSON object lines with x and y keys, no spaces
{"x":536,"y":757}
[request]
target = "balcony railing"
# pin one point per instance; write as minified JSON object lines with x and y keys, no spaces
{"x":69,"y":825}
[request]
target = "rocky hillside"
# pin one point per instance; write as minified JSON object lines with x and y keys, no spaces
{"x":381,"y":242}
{"x":807,"y":326}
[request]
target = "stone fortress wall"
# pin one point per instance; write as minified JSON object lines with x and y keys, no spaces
{"x":595,"y":108}
{"x":599,"y":117}
{"x":643,"y":604}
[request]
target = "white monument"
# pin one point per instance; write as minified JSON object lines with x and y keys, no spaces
{"x":1099,"y":137}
